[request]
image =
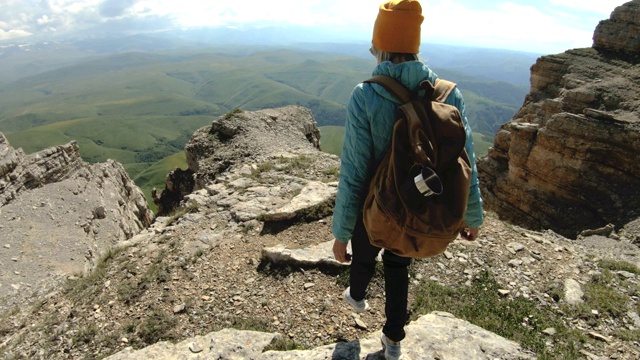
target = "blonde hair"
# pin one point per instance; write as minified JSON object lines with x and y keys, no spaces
{"x":395,"y":58}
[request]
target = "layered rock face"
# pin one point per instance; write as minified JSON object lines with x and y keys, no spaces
{"x":58,"y":214}
{"x":568,"y":160}
{"x":19,"y":172}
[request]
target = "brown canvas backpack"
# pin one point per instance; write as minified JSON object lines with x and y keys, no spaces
{"x":418,"y":196}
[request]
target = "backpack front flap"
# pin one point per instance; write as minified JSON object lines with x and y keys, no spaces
{"x":431,"y":134}
{"x":397,"y":217}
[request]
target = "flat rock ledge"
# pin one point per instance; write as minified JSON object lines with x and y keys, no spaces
{"x":313,"y":196}
{"x":438,"y":335}
{"x":313,"y":256}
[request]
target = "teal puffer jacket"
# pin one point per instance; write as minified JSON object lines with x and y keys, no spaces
{"x":371,"y":113}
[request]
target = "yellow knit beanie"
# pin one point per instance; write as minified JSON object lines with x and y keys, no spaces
{"x":397,"y":27}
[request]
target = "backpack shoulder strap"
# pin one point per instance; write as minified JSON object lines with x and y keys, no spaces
{"x":393,"y":86}
{"x":442,"y":90}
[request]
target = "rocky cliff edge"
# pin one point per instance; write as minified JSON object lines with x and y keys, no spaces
{"x":568,"y":160}
{"x":58,"y":215}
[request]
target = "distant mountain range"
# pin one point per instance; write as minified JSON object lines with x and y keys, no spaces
{"x":505,"y":65}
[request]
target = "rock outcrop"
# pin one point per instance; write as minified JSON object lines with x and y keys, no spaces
{"x":567,"y":161}
{"x":58,"y":214}
{"x":256,"y":165}
{"x":621,"y":32}
{"x":237,"y":138}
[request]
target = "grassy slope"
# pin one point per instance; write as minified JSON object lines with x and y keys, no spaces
{"x":129,"y":140}
{"x":481,"y":144}
{"x":331,"y":139}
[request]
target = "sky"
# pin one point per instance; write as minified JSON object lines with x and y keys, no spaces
{"x":538,"y":26}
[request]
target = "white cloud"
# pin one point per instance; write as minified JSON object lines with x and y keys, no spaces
{"x":44,"y":20}
{"x":534,"y":28}
{"x":540,"y":26}
{"x":13,"y":34}
{"x":308,"y":12}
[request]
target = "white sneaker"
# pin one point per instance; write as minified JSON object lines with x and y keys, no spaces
{"x":358,"y":306}
{"x":392,"y":350}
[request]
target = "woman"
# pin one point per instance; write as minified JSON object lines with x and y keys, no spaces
{"x":371,"y":114}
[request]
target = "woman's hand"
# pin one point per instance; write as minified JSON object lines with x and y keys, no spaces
{"x":468,"y":233}
{"x":340,"y":251}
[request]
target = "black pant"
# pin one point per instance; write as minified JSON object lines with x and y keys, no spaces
{"x":396,"y":280}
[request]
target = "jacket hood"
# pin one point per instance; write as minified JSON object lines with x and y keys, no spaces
{"x":409,"y":73}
